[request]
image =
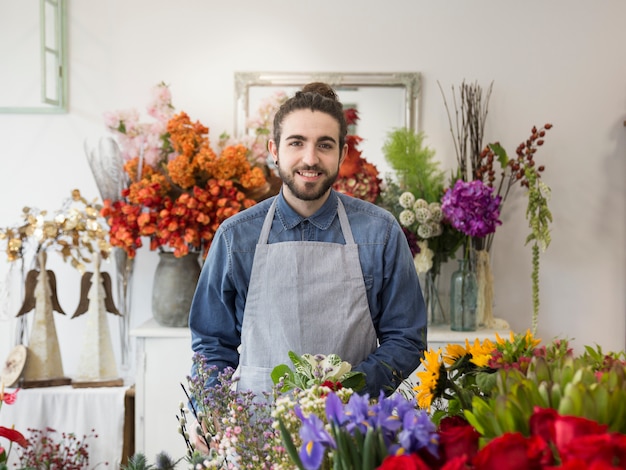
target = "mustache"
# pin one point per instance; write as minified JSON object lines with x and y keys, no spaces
{"x":310,"y":168}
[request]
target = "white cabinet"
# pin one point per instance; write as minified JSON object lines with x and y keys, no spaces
{"x":164,"y":359}
{"x":439,"y":336}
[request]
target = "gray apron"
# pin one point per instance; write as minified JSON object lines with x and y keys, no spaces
{"x":305,"y":297}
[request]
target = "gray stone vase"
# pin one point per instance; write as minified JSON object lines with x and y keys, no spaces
{"x":175,"y":282}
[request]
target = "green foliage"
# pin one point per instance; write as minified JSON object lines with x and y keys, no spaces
{"x":586,"y":386}
{"x":312,"y":370}
{"x":137,"y":462}
{"x":140,"y":462}
{"x":539,"y":218}
{"x":415,"y":167}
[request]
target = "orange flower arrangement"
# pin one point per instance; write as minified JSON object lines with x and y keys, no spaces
{"x":181,"y":199}
{"x":357,"y":177}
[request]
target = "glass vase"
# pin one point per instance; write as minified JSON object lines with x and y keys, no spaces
{"x":463,"y":298}
{"x":430,"y":292}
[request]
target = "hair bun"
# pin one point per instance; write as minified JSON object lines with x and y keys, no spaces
{"x":321,"y":89}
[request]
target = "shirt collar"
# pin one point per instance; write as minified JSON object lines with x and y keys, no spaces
{"x":321,"y":219}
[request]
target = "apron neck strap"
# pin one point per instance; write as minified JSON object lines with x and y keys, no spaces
{"x":341,"y":212}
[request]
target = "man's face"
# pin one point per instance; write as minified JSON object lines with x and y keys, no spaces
{"x":309,"y":155}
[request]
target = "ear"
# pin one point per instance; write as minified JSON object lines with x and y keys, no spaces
{"x":273,"y":148}
{"x":344,"y":153}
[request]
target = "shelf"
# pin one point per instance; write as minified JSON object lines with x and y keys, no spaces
{"x":443,"y":334}
{"x":151,"y":329}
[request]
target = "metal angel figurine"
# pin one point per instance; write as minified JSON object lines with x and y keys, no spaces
{"x":44,"y":367}
{"x":107,"y":166}
{"x":97,"y":366}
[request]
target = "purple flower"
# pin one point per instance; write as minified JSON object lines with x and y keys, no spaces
{"x":334,"y":409}
{"x":358,"y":413}
{"x":472,"y":208}
{"x":315,"y":440}
{"x":418,"y":431}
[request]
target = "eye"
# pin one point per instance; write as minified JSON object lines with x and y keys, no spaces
{"x":295,"y":143}
{"x":326,"y":146}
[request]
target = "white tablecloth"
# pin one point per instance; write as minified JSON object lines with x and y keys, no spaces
{"x":72,"y":410}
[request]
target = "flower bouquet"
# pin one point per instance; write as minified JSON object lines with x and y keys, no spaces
{"x":479,"y":162}
{"x":414,"y":197}
{"x":506,"y":404}
{"x":496,"y":386}
{"x":179,"y":190}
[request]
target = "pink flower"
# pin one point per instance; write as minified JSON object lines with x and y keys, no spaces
{"x":9,"y":398}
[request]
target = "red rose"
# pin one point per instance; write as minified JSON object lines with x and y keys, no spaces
{"x":512,"y":451}
{"x":457,"y":438}
{"x":542,"y":423}
{"x":403,"y":462}
{"x":609,"y":449}
{"x":567,"y":428}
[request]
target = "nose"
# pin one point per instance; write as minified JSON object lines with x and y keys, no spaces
{"x":309,"y":156}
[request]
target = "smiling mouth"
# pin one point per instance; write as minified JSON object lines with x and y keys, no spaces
{"x":309,"y":173}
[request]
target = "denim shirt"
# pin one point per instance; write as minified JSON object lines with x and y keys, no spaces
{"x":393,"y":291}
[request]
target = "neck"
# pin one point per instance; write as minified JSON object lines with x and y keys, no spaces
{"x":302,"y":207}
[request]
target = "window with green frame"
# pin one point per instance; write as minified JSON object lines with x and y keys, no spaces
{"x":33,"y":56}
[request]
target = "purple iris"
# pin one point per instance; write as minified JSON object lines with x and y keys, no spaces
{"x":315,"y":440}
{"x":334,"y":409}
{"x":358,"y":413}
{"x":418,"y":431}
{"x":472,"y":208}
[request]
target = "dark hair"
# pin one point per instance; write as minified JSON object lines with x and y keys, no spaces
{"x":316,"y":96}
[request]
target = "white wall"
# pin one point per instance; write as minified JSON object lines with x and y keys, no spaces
{"x":560,"y":62}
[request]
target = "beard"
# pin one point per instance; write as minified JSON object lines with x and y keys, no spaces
{"x":308,"y":191}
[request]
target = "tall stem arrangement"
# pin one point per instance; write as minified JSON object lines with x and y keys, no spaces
{"x":468,"y":127}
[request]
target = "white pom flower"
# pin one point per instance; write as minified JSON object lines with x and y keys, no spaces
{"x":436,"y":228}
{"x":406,"y":200}
{"x":435,"y":211}
{"x":419,"y":204}
{"x":424,"y":231}
{"x":422,"y":214}
{"x":407,"y":218}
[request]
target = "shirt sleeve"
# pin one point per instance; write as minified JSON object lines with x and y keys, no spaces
{"x":213,"y":320}
{"x":401,"y":321}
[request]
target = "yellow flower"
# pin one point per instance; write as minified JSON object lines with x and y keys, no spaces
{"x":429,"y":378}
{"x":481,"y":353}
{"x":501,"y":340}
{"x":530,"y":341}
{"x":454,"y":352}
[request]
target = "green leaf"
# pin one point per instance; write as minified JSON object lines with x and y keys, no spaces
{"x":280,"y":371}
{"x":369,"y":458}
{"x":354,"y":380}
{"x":289,"y":445}
{"x":500,"y":153}
{"x":302,"y":365}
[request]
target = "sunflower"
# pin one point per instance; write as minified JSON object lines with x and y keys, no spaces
{"x":453,"y":353}
{"x":481,"y":353}
{"x":429,"y":386}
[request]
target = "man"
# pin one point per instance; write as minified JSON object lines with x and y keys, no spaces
{"x":310,"y":270}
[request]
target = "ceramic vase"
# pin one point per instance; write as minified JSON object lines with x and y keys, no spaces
{"x":175,"y":282}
